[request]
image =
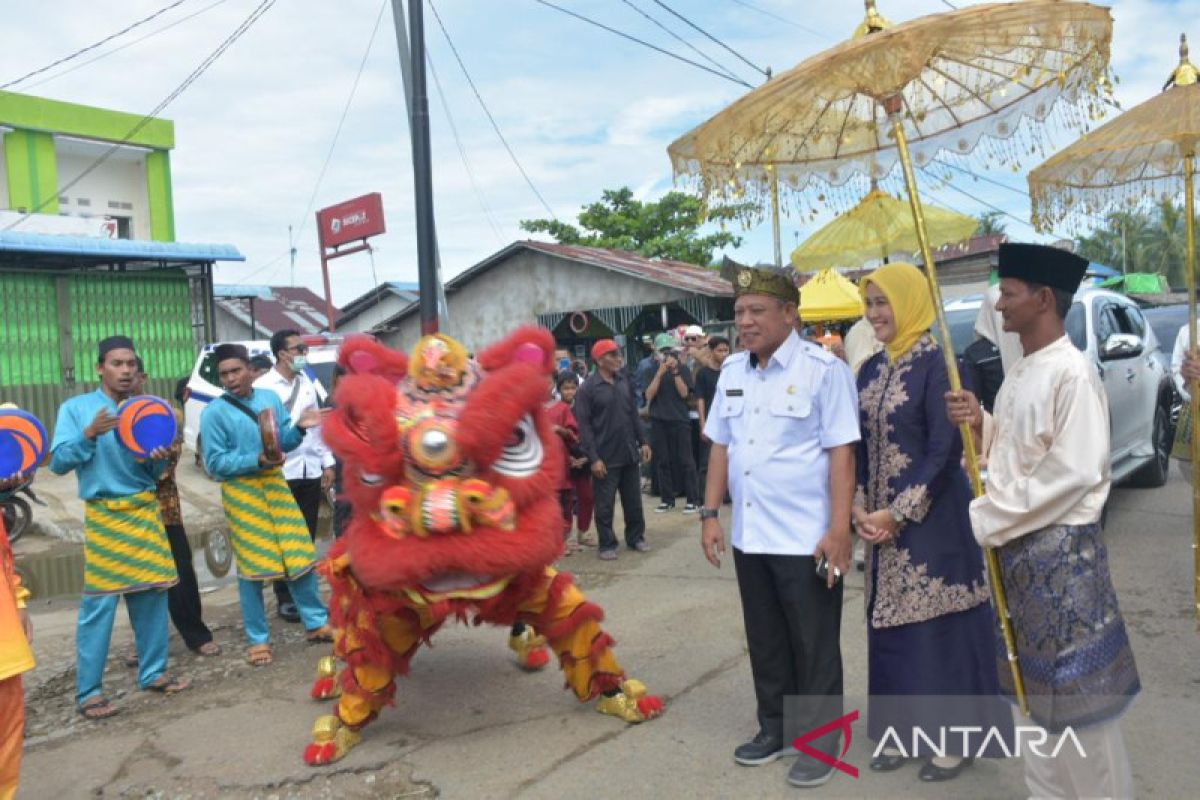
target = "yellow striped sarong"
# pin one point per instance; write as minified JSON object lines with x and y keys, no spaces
{"x":125,"y":547}
{"x":270,"y":538}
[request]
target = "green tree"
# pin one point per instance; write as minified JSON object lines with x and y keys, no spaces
{"x":990,"y":224}
{"x":1141,"y":241}
{"x":665,"y":228}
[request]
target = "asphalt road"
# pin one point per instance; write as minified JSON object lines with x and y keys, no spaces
{"x":468,"y":724}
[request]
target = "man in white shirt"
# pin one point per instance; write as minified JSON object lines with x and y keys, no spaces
{"x":309,"y":468}
{"x":784,"y":425}
{"x":1047,"y":449}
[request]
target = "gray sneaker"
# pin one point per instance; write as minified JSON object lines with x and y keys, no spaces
{"x":762,"y":749}
{"x":641,"y":547}
{"x":607,"y":555}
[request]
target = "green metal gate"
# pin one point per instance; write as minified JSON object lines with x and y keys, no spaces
{"x":50,"y":326}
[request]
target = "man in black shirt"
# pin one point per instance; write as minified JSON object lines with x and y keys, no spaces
{"x":611,"y":436}
{"x":706,"y":390}
{"x":667,"y":396}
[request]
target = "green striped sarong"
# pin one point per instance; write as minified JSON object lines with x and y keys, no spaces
{"x":269,"y":536}
{"x":125,"y":547}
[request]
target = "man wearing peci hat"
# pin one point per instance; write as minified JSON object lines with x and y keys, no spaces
{"x":1047,"y":446}
{"x":611,"y":436}
{"x":784,"y":427}
{"x":126,"y":552}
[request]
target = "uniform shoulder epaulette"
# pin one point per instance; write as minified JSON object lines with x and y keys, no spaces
{"x":735,"y":358}
{"x":813,"y":350}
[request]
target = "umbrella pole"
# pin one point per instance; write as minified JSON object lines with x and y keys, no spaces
{"x":775,"y":218}
{"x":972,"y":457}
{"x":1189,"y":207}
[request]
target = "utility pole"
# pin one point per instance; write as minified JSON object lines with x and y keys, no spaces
{"x":411,"y":43}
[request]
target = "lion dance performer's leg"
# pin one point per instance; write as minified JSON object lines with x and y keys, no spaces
{"x":376,"y":645}
{"x":571,"y":625}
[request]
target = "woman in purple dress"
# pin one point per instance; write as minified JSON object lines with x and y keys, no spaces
{"x":930,"y":636}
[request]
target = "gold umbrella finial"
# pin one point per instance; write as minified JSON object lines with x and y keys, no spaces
{"x":1186,"y":73}
{"x":874,"y":23}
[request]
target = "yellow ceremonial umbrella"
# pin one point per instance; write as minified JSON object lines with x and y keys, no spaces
{"x":829,"y":296}
{"x":977,"y":79}
{"x":1146,"y":154}
{"x":879,"y":225}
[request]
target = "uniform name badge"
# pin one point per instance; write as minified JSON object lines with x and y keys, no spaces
{"x":733,"y":392}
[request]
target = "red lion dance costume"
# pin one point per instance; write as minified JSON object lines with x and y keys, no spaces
{"x":451,"y":468}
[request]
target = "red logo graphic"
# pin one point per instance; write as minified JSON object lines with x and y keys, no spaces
{"x":843,"y":724}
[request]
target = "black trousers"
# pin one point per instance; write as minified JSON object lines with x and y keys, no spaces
{"x":625,"y":479}
{"x":672,"y":446}
{"x":793,"y":629}
{"x":183,"y":599}
{"x":307,"y":492}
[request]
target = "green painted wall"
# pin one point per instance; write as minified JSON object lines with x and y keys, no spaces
{"x":158,"y":189}
{"x":32,"y":171}
{"x":54,"y":116}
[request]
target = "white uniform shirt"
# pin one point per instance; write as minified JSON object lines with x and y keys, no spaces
{"x":1046,"y":446}
{"x":779,"y":423}
{"x":312,"y":456}
{"x":1182,"y":339}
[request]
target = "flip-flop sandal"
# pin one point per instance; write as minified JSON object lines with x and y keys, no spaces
{"x":321,"y":635}
{"x":259,"y":655}
{"x":97,"y":708}
{"x":208,"y":650}
{"x":168,"y":684}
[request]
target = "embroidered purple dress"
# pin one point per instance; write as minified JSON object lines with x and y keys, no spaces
{"x":929,"y":619}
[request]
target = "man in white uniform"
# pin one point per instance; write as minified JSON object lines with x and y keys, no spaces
{"x":1047,"y":451}
{"x":784,"y":425}
{"x":309,"y":468}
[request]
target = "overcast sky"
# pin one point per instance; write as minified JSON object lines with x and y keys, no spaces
{"x":582,"y":109}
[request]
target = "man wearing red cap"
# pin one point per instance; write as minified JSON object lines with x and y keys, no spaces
{"x":611,"y":436}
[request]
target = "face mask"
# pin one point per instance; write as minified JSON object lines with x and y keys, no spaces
{"x":299,"y":362}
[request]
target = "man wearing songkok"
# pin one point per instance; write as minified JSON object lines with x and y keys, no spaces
{"x":784,"y":426}
{"x":269,"y":536}
{"x":1047,"y":449}
{"x":126,"y":553}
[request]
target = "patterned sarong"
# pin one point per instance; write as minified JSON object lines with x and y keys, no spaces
{"x":270,"y":538}
{"x":1071,"y":640}
{"x":125,"y":547}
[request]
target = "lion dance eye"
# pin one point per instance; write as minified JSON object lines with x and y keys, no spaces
{"x":431,"y":446}
{"x":522,"y":455}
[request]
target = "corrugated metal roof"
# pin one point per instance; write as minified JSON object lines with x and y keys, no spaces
{"x":288,"y":307}
{"x":128,"y":249}
{"x":676,"y":274}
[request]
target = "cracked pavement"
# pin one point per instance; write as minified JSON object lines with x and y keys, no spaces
{"x":468,"y":723}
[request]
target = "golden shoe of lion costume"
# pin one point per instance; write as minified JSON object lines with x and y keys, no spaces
{"x":452,"y":469}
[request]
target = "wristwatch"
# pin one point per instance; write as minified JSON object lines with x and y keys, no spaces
{"x":898,"y":518}
{"x":709,"y":513}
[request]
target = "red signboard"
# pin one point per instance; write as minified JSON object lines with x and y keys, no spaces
{"x":351,"y":221}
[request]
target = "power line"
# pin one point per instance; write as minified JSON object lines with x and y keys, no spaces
{"x":491,"y":119}
{"x":462,"y":153}
{"x":951,"y":5}
{"x":991,"y":206}
{"x":312,"y":199}
{"x":784,"y":20}
{"x":241,"y":29}
{"x":116,"y":50}
{"x":709,"y":36}
{"x":644,"y":43}
{"x":91,"y":47}
{"x":681,"y":40}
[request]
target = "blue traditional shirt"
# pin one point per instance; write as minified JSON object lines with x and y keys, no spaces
{"x":909,"y":462}
{"x":779,"y":421}
{"x":231,"y":440}
{"x":104,"y":467}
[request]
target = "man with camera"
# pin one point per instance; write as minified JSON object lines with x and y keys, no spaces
{"x":667,"y":396}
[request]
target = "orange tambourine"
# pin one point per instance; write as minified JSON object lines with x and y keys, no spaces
{"x":146,"y":423}
{"x":23,"y":442}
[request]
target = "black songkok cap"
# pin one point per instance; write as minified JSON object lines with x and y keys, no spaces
{"x":1039,"y":263}
{"x":227,"y":351}
{"x":114,"y":343}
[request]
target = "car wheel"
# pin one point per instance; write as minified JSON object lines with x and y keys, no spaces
{"x":1154,"y":473}
{"x":218,"y":552}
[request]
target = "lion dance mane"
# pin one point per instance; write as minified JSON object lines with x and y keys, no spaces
{"x":451,"y":468}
